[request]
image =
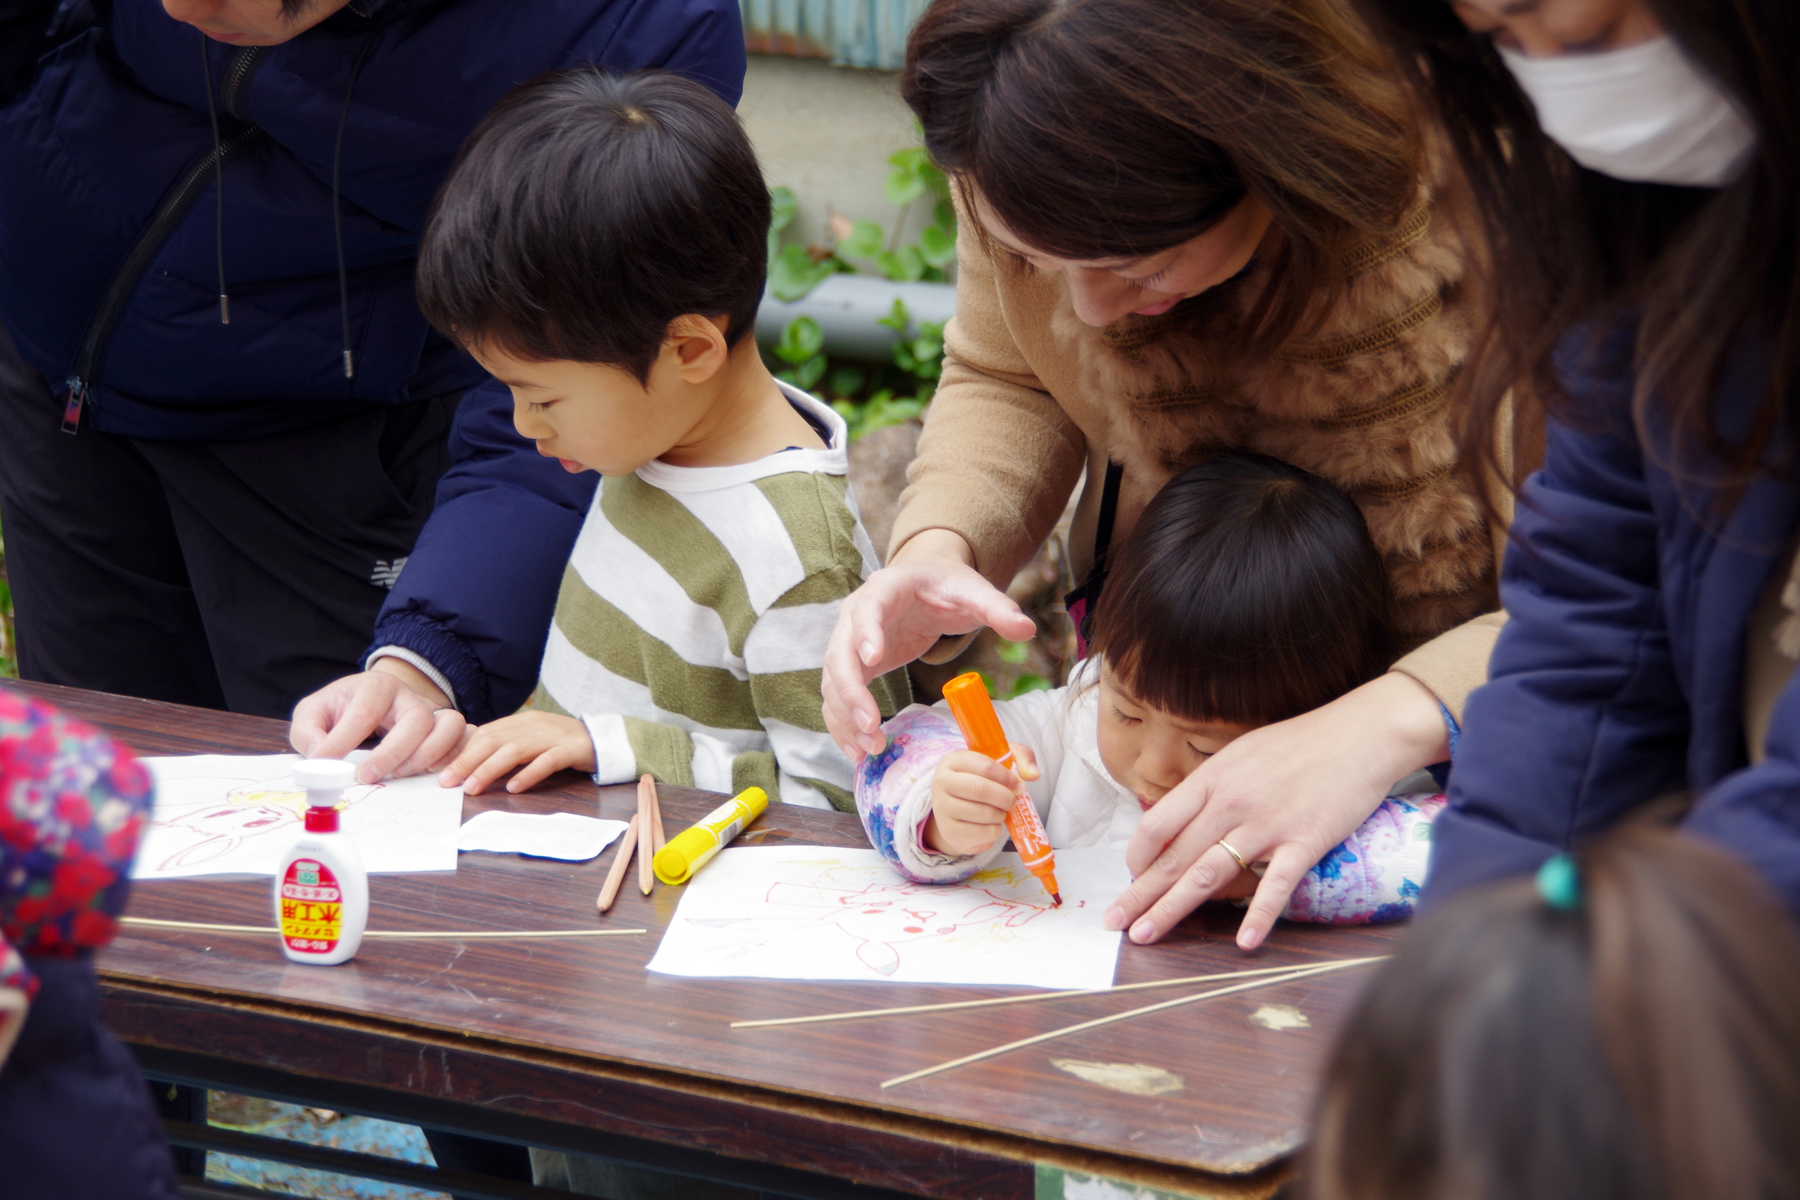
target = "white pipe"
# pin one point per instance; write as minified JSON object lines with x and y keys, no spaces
{"x":847,"y":308}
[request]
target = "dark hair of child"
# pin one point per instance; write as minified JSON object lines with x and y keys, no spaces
{"x":587,"y":211}
{"x":1248,"y":592}
{"x":1641,"y":1043}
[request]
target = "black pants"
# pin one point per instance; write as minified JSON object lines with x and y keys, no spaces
{"x":238,"y":575}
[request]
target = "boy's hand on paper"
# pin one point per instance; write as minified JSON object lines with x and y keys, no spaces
{"x":1285,"y":794}
{"x":421,"y":728}
{"x":930,"y":590}
{"x":542,"y":743}
{"x":970,"y":797}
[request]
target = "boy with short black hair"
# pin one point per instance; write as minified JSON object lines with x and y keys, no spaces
{"x":600,"y":247}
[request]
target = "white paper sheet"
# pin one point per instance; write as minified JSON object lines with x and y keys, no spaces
{"x":815,"y":912}
{"x":237,"y":814}
{"x":541,"y":835}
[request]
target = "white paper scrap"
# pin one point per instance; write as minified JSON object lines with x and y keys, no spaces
{"x":237,"y":814}
{"x":818,"y":912}
{"x":541,"y":835}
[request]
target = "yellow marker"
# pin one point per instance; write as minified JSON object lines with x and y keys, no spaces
{"x":693,"y":847}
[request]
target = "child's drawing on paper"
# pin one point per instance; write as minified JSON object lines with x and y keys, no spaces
{"x":819,"y":913}
{"x":880,"y":918}
{"x":237,"y":814}
{"x":211,"y":830}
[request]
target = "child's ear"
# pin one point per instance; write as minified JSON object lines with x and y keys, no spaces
{"x":699,"y":346}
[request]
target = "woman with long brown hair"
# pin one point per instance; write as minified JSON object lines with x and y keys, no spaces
{"x":1191,"y":225}
{"x":1637,"y":164}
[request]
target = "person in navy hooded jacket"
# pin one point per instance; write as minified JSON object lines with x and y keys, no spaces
{"x":222,"y":418}
{"x":1637,"y":163}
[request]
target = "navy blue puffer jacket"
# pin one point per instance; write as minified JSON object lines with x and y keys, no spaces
{"x":109,"y":267}
{"x":108,"y":262}
{"x":1620,"y":675}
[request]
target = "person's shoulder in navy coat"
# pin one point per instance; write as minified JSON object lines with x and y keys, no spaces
{"x":1619,"y":677}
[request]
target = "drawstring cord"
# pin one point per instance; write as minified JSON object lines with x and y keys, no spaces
{"x":218,"y":155}
{"x":337,"y":216}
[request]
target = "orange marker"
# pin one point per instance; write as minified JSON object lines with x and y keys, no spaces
{"x":980,"y":725}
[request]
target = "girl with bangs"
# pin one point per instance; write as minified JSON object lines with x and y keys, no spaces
{"x":1248,"y":592}
{"x":1194,"y":226}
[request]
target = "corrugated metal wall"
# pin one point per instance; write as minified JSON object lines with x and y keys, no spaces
{"x":851,"y":33}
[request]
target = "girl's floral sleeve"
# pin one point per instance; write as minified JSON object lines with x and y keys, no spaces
{"x":1375,"y":874}
{"x":893,"y":797}
{"x":73,"y":804}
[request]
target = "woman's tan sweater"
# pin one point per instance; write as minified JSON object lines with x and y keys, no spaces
{"x":1030,"y":395}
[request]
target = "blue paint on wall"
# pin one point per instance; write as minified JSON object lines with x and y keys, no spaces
{"x":851,"y":33}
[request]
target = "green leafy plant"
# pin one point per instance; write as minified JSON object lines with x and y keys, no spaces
{"x":867,"y":397}
{"x":912,"y":181}
{"x":801,"y":347}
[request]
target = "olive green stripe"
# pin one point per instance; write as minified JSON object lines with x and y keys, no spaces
{"x":827,"y":587}
{"x":663,"y":750}
{"x":817,"y":516}
{"x":792,"y":697}
{"x":709,"y":696}
{"x":681,"y":544}
{"x":543,"y":701}
{"x":840,"y":799}
{"x":756,"y":768}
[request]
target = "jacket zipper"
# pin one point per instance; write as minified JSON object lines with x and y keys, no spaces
{"x":162,"y":223}
{"x":237,"y":79}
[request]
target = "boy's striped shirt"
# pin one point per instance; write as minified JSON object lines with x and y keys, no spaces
{"x":691,"y":627}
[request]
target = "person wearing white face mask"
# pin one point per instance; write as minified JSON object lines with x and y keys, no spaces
{"x":1642,"y":112}
{"x":1634,"y":164}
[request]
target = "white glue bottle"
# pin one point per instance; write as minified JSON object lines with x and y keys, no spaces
{"x":321,"y":889}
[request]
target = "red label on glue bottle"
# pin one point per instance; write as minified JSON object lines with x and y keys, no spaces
{"x":321,"y":889}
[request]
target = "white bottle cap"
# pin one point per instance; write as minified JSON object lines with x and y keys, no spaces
{"x":324,"y":774}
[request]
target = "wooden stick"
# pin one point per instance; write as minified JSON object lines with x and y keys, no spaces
{"x":656,"y":815}
{"x":1026,"y":999}
{"x":1303,"y":973}
{"x":616,"y":876}
{"x":646,"y":832}
{"x":203,"y":927}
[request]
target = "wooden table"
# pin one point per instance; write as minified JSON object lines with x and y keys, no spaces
{"x":573,"y":1044}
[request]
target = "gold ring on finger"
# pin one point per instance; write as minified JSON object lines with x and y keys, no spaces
{"x":1242,"y":865}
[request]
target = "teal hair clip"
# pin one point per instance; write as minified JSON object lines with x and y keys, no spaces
{"x":1559,"y":883}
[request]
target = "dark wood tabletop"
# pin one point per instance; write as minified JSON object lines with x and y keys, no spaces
{"x":577,"y":1031}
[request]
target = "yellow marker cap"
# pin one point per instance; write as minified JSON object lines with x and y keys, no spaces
{"x":694,"y":846}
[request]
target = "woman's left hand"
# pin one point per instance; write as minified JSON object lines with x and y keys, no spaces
{"x":1286,"y":793}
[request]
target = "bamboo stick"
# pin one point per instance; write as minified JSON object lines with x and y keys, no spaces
{"x":205,"y":927}
{"x":1026,"y":999}
{"x":1303,"y":973}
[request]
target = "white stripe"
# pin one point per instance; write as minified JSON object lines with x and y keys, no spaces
{"x":712,"y":763}
{"x":622,"y":573}
{"x":613,"y":759}
{"x":581,"y":685}
{"x":752,"y":531}
{"x":803,"y":752}
{"x":803,"y":794}
{"x":835,"y":460}
{"x":791,"y":639}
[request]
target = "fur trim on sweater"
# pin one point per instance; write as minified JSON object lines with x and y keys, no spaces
{"x":1359,"y":401}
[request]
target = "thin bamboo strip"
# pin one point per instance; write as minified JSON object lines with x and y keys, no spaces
{"x":203,"y":927}
{"x":1025,"y":999}
{"x":966,"y":1059}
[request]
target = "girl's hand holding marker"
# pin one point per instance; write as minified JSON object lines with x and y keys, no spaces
{"x":970,"y":797}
